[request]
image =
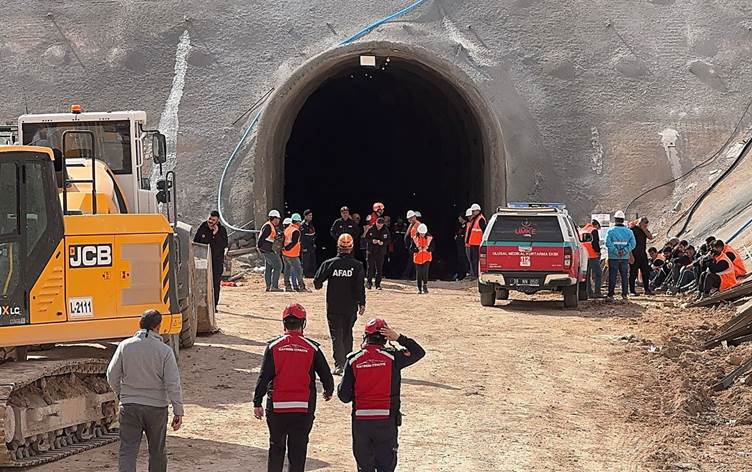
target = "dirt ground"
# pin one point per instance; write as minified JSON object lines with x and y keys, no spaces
{"x":522,"y":386}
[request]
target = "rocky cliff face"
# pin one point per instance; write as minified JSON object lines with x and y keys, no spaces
{"x":597,"y":101}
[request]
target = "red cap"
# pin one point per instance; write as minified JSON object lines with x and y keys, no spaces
{"x":374,"y":325}
{"x":294,"y":309}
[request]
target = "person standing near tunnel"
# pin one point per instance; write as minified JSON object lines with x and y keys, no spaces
{"x":291,"y":256}
{"x":308,"y":244}
{"x":459,"y":240}
{"x":212,"y":232}
{"x":474,"y":237}
{"x":423,"y":247}
{"x":265,"y":245}
{"x":378,"y":238}
{"x":412,"y":229}
{"x":344,"y":224}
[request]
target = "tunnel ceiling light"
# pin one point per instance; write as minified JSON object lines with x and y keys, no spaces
{"x":368,"y":61}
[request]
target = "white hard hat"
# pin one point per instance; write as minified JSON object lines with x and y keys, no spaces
{"x":274,"y":214}
{"x":620,"y":215}
{"x":287,"y":221}
{"x":422,"y":228}
{"x":475,"y":207}
{"x":417,"y":214}
{"x":410,"y":214}
{"x":469,"y":212}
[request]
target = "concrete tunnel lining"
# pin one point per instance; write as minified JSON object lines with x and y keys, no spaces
{"x":281,"y":111}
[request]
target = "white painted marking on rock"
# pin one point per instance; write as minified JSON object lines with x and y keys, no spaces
{"x":668,"y":141}
{"x":168,"y":121}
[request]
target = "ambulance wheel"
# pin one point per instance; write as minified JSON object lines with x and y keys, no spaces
{"x":502,"y":294}
{"x":582,"y":292}
{"x":488,"y":298}
{"x":570,"y":296}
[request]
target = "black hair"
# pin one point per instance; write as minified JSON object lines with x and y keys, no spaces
{"x":709,"y":240}
{"x":307,"y":212}
{"x":596,"y":223}
{"x":293,"y":323}
{"x":691,"y":247}
{"x":667,"y":249}
{"x":375,"y":338}
{"x":214,"y":213}
{"x":652,"y":249}
{"x":719,"y":244}
{"x":704,"y":249}
{"x":684,"y":243}
{"x":150,"y":320}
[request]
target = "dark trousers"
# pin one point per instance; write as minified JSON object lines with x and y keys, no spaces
{"x":218,"y":267}
{"x":340,"y":329}
{"x":409,"y":271}
{"x":708,"y":281}
{"x":375,"y":266}
{"x":135,"y":420}
{"x":375,"y":445}
{"x":288,"y":431}
{"x":309,"y":262}
{"x":421,"y":273}
{"x":618,"y":267}
{"x":473,"y":257}
{"x":594,"y":277}
{"x":641,"y":264}
{"x":461,"y":260}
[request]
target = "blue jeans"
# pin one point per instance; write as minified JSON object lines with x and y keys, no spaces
{"x":618,"y":267}
{"x":272,"y":269}
{"x":293,"y":273}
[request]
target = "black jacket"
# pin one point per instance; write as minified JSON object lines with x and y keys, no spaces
{"x":265,"y":382}
{"x":308,"y":240}
{"x":341,"y":226}
{"x":217,"y":242}
{"x":596,"y":242}
{"x":346,"y":290}
{"x":379,"y":235}
{"x":402,"y":358}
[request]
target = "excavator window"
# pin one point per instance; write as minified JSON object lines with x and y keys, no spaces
{"x":9,"y":230}
{"x":112,"y":140}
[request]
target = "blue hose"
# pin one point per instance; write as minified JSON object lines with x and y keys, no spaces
{"x":255,"y":121}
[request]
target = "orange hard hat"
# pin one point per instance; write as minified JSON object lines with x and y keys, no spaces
{"x":345,"y":242}
{"x":378,"y":206}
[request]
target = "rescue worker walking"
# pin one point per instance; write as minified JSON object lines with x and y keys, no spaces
{"x":265,"y":245}
{"x":593,"y":247}
{"x":291,"y":256}
{"x":423,"y":247}
{"x":372,"y":382}
{"x":308,"y":244}
{"x":474,"y":237}
{"x":144,"y":375}
{"x":345,"y":297}
{"x":620,"y":241}
{"x":412,"y":229}
{"x":288,"y":379}
{"x":212,"y":232}
{"x":378,"y":238}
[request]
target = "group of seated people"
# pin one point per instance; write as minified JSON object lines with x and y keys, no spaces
{"x":680,"y":269}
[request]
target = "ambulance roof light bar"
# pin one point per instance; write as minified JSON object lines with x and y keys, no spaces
{"x":558,"y":206}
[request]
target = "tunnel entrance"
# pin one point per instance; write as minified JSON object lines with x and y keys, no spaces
{"x":413,"y":132}
{"x":396,"y":134}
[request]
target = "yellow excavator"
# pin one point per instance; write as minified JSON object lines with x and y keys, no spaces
{"x":84,"y":251}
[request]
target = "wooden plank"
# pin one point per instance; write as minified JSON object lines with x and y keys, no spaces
{"x":738,"y":291}
{"x":731,"y":378}
{"x":741,"y":327}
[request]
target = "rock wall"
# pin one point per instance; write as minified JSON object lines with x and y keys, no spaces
{"x":597,"y":100}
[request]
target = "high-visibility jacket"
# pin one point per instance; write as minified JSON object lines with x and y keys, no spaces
{"x":592,"y":253}
{"x":739,"y":269}
{"x":474,"y":234}
{"x":273,"y":235}
{"x":295,"y":250}
{"x":728,"y":276}
{"x":422,"y":243}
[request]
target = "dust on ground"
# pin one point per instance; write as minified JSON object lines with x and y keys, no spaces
{"x":521,"y":386}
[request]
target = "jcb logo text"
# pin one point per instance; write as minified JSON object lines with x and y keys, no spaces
{"x":99,"y":255}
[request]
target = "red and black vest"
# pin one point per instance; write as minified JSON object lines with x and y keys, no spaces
{"x":293,"y":360}
{"x":372,"y":370}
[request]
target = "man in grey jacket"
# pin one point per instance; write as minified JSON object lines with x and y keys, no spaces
{"x":143,"y":373}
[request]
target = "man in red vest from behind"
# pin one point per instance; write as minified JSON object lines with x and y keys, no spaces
{"x":372,"y":382}
{"x":288,"y":379}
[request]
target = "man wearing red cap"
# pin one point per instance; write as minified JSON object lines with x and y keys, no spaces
{"x":288,"y":379}
{"x":372,"y":383}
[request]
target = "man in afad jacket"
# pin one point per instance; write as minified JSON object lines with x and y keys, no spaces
{"x":620,"y":241}
{"x":372,"y":382}
{"x":345,"y":297}
{"x":288,"y":379}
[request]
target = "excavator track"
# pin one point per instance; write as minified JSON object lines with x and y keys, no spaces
{"x":54,"y":409}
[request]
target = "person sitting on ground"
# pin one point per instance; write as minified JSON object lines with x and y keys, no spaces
{"x":665,"y":269}
{"x":656,"y":262}
{"x":686,"y":273}
{"x":720,"y":275}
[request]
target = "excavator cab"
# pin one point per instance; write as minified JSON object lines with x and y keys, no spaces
{"x":31,"y":227}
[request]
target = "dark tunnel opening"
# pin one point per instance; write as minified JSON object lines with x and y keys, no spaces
{"x":398,"y":133}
